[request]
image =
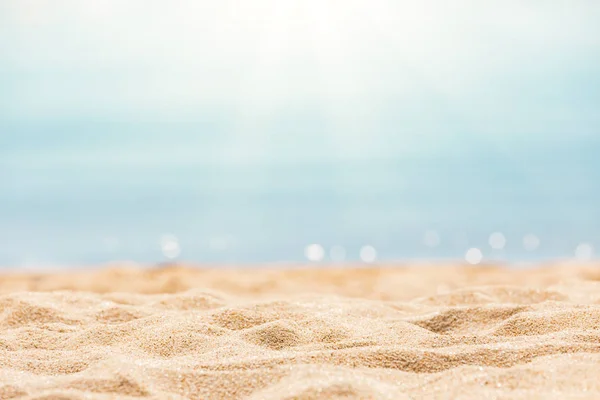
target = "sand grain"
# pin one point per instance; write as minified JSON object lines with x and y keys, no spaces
{"x":427,"y":332}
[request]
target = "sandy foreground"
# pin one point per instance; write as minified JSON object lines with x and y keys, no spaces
{"x":422,"y":332}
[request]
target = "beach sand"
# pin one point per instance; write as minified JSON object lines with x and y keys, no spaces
{"x":298,"y":332}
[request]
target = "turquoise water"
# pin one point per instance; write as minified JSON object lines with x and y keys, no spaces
{"x":246,"y":131}
{"x":65,"y":200}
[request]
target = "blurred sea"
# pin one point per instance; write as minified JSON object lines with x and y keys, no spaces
{"x":267,"y":131}
{"x":85,"y":197}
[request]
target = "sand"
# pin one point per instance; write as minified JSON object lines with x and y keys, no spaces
{"x":421,"y":332}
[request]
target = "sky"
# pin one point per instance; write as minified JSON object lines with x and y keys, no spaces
{"x":282,"y":124}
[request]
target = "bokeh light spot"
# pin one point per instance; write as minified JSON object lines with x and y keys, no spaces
{"x":584,"y":252}
{"x":368,"y":254}
{"x":314,"y":252}
{"x":170,"y":246}
{"x":497,"y":240}
{"x":473,"y":256}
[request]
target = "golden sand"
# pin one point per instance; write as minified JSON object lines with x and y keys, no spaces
{"x":426,"y":332}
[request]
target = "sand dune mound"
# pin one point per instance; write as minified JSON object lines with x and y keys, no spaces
{"x":417,"y":333}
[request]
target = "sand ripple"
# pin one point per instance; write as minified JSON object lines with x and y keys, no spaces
{"x":204,"y":334}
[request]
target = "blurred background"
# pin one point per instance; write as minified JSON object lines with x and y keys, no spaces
{"x":295,"y":130}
